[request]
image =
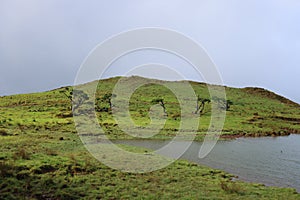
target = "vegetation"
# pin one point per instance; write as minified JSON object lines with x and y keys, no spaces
{"x":250,"y":111}
{"x":77,"y":97}
{"x":42,"y":157}
{"x":201,"y":104}
{"x":105,"y":99}
{"x":41,"y":166}
{"x":161,"y":102}
{"x":223,"y":103}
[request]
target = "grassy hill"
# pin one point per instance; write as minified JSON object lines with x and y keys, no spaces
{"x":42,"y":157}
{"x":255,"y":111}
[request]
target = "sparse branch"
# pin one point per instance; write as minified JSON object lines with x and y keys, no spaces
{"x":222,"y":103}
{"x":161,"y":102}
{"x":77,"y":97}
{"x":201,"y":104}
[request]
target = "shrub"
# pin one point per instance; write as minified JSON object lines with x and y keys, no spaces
{"x":3,"y":133}
{"x":232,"y":188}
{"x":51,"y":152}
{"x":5,"y":169}
{"x":21,"y":153}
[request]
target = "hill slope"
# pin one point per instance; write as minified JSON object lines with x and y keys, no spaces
{"x":254,"y":111}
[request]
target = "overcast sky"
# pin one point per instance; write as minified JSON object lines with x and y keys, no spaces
{"x":252,"y":42}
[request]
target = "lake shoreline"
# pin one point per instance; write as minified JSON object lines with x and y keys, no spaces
{"x":238,"y":152}
{"x":257,"y":135}
{"x":222,"y":136}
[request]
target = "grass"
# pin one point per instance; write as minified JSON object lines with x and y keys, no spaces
{"x":72,"y":173}
{"x":42,"y":157}
{"x":255,"y":112}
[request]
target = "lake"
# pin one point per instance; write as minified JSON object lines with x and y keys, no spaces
{"x":273,"y":161}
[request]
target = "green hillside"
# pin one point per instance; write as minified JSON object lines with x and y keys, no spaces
{"x":254,"y":111}
{"x":42,"y":156}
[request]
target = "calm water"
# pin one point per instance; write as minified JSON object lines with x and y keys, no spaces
{"x":272,"y":161}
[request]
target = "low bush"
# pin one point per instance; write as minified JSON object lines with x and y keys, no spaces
{"x":231,"y":187}
{"x":21,"y":153}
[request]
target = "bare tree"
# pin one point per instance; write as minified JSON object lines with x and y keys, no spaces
{"x":160,"y":101}
{"x":222,"y":103}
{"x":201,"y":104}
{"x":77,"y":97}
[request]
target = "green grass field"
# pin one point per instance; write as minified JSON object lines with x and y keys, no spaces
{"x":42,"y":156}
